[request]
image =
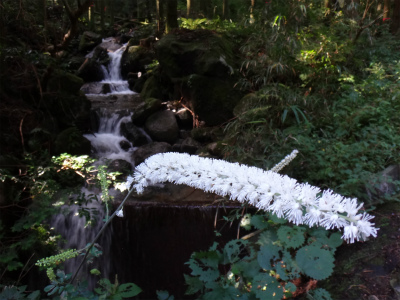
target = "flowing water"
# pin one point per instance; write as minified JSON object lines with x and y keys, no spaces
{"x":151,"y":243}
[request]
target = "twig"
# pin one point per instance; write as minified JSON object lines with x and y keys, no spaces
{"x":99,"y":234}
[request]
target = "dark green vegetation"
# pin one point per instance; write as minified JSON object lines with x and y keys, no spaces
{"x":322,"y":77}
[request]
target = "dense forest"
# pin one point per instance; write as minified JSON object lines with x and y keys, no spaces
{"x":257,"y":80}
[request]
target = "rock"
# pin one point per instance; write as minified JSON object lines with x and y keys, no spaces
{"x":148,"y":150}
{"x":139,"y":83}
{"x":383,"y":184}
{"x":185,"y":118}
{"x":64,"y":82}
{"x":187,"y":145}
{"x":151,"y":88}
{"x":212,"y":99}
{"x":120,"y":165}
{"x":125,"y":145}
{"x":207,"y":134}
{"x":162,"y":126}
{"x":200,"y":52}
{"x":133,"y":134}
{"x":135,"y":59}
{"x":144,"y":109}
{"x":91,"y":71}
{"x":89,"y":40}
{"x":72,"y":142}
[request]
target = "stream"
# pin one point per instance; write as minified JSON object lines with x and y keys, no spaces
{"x":151,"y":243}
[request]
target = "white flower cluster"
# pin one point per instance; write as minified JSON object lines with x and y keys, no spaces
{"x":285,"y":161}
{"x":267,"y":190}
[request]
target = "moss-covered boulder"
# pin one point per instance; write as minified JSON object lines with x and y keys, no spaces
{"x":135,"y":59}
{"x":200,"y":52}
{"x":143,"y":110}
{"x":64,"y":82}
{"x":151,"y":88}
{"x":72,"y":142}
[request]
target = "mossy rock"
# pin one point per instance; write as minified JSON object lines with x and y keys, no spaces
{"x":212,"y":99}
{"x":135,"y":59}
{"x":145,"y":109}
{"x":64,"y":82}
{"x":89,"y":40}
{"x":72,"y":141}
{"x":151,"y":88}
{"x":195,"y":52}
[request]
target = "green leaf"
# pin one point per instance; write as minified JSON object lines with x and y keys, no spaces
{"x":246,"y":268}
{"x":267,"y":255}
{"x":34,"y":295}
{"x":194,"y":284}
{"x":233,"y":249}
{"x":290,"y":288}
{"x":128,"y":290}
{"x":274,"y":219}
{"x":164,"y":295}
{"x":222,"y":293}
{"x":266,"y":287}
{"x":291,"y":237}
{"x":267,"y":237}
{"x":259,"y":222}
{"x":315,"y":262}
{"x":95,"y":272}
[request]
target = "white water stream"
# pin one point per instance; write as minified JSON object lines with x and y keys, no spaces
{"x":107,"y":144}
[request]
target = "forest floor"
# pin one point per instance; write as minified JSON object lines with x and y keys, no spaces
{"x":370,"y":270}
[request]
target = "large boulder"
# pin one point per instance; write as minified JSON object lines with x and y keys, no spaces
{"x":135,"y":59}
{"x":64,"y":82}
{"x":148,"y":150}
{"x":144,"y":109}
{"x":200,"y":52}
{"x":133,"y":134}
{"x":162,"y":126}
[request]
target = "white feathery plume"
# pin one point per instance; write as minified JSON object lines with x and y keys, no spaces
{"x":299,"y":203}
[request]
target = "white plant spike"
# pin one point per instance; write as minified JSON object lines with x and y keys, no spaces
{"x":299,"y":203}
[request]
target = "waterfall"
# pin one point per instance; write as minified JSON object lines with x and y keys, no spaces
{"x":108,"y":143}
{"x":78,"y":231}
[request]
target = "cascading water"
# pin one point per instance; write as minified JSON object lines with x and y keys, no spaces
{"x":112,"y":74}
{"x":151,"y":244}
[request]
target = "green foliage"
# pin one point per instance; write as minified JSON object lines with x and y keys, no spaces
{"x":54,"y":260}
{"x":18,"y":293}
{"x":261,"y":268}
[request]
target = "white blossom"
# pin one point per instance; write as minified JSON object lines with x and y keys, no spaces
{"x":267,"y":190}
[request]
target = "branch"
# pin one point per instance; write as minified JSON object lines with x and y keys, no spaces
{"x":100,"y":233}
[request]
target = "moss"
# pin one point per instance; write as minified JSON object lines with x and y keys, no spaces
{"x":72,"y":142}
{"x":64,"y":82}
{"x":151,"y":88}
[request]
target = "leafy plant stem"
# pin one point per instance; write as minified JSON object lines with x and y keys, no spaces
{"x":90,"y":246}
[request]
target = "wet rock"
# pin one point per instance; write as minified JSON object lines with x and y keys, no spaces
{"x":90,"y":71}
{"x":187,"y":145}
{"x":162,"y":126}
{"x":148,"y":150}
{"x":133,"y":134}
{"x":144,"y":109}
{"x":185,"y":118}
{"x":135,"y":59}
{"x":151,"y":88}
{"x":120,"y":165}
{"x":125,"y":145}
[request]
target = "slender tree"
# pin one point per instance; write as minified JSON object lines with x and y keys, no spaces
{"x":159,"y":14}
{"x":225,"y":9}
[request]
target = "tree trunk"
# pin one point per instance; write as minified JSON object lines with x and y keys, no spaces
{"x":172,"y":15}
{"x":386,"y":6}
{"x":396,"y":17}
{"x":225,"y":9}
{"x":73,"y":16}
{"x":252,"y":11}
{"x":159,"y":15}
{"x":188,"y":8}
